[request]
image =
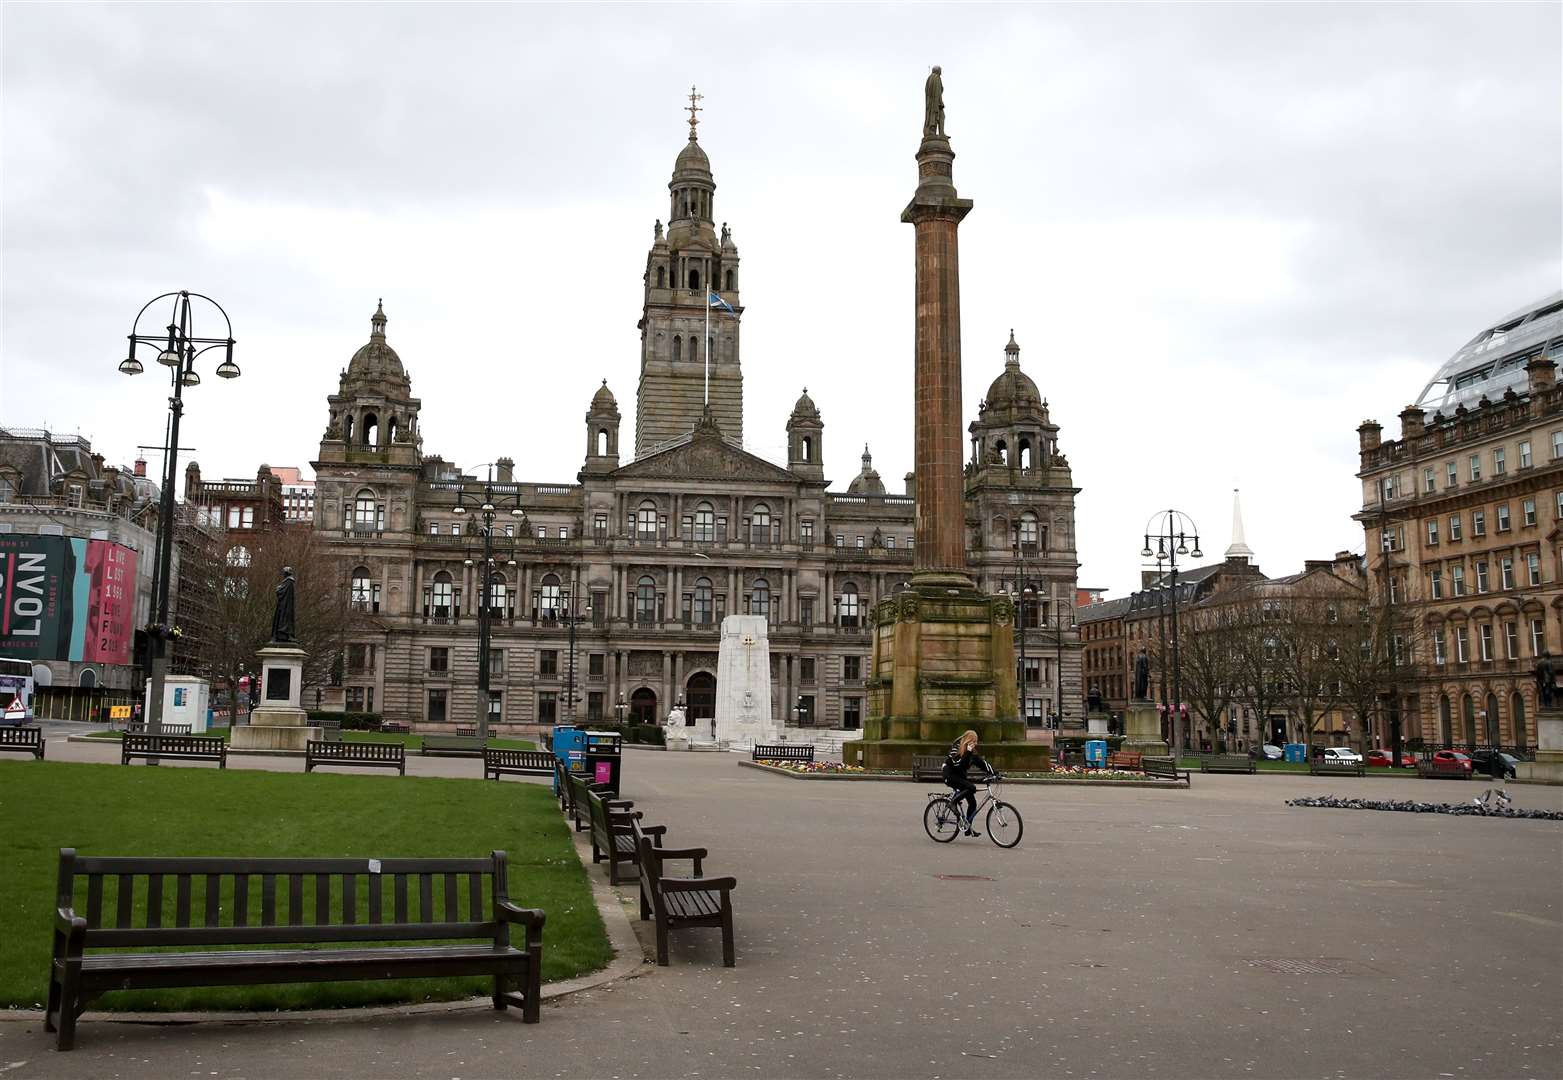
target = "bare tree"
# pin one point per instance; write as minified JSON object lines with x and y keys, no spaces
{"x":1256,"y":644}
{"x":1307,"y":662}
{"x":1209,"y":664}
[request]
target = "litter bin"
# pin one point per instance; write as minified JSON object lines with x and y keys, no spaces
{"x":1297,"y":752}
{"x":569,"y":747}
{"x":1096,"y":753}
{"x":604,"y":758}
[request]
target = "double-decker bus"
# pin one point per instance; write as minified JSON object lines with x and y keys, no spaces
{"x":16,"y":682}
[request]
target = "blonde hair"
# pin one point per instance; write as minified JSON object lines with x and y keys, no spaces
{"x":968,"y":740}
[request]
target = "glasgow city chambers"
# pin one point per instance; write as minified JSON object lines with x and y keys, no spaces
{"x":606,"y":593}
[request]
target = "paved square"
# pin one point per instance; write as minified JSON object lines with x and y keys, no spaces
{"x":1206,"y":933}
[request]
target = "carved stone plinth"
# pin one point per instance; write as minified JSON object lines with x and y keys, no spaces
{"x":1548,"y":766}
{"x":277,"y":723}
{"x":1142,"y":730}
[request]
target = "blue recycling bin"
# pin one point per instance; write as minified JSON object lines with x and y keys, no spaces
{"x":1296,"y":751}
{"x":1096,"y":753}
{"x":569,"y":746}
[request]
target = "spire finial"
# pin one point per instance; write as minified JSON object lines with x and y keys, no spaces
{"x":377,"y":321}
{"x":1239,"y":549}
{"x":1012,"y":352}
{"x":694,"y":97}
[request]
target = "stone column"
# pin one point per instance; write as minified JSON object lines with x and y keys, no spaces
{"x":935,"y":212}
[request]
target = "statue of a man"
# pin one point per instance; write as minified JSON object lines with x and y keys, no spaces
{"x":282,"y":614}
{"x":1094,"y":700}
{"x":1546,"y":681}
{"x":1142,"y":676}
{"x":933,"y":104}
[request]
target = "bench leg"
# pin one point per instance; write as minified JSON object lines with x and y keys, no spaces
{"x":728,"y":960}
{"x":662,"y":943}
{"x":69,"y":1008}
{"x":499,"y":993}
{"x":645,"y":908}
{"x":532,"y":1011}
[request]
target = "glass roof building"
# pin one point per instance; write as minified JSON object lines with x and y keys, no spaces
{"x":1494,"y":360}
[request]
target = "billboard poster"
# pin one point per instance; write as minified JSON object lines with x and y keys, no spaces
{"x":66,"y":598}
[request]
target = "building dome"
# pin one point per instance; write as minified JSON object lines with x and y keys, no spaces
{"x":1013,"y":388}
{"x":1493,"y":362}
{"x":603,"y":400}
{"x":805,"y":409}
{"x":376,"y":358}
{"x":692,"y":159}
{"x":866,"y":482}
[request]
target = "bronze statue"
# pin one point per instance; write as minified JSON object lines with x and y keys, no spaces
{"x":282,"y":614}
{"x":1094,"y":700}
{"x":1546,"y":681}
{"x":1142,"y":677}
{"x":933,"y":104}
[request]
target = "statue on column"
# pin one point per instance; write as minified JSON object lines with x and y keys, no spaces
{"x":933,"y":104}
{"x":1142,"y":677}
{"x":282,"y":615}
{"x":1546,"y":682}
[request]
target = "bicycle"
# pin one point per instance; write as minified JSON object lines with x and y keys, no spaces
{"x":943,"y":820}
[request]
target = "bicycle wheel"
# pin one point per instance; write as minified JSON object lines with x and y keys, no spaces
{"x":1004,"y":824}
{"x":941,"y":821}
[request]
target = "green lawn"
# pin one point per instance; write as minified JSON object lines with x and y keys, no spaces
{"x":128,"y":810}
{"x":412,"y":742}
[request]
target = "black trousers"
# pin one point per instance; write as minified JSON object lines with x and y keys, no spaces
{"x":964,"y":789}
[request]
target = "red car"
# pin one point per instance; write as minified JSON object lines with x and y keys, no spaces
{"x":1454,"y":755}
{"x":1385,"y":759}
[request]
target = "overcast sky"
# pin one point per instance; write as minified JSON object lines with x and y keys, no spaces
{"x":1223,"y":235}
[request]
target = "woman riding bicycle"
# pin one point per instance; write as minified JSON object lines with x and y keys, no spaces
{"x":963,"y":754}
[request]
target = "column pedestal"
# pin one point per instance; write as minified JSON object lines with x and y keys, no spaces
{"x":1142,"y":730}
{"x":1548,"y":766}
{"x":277,"y":723}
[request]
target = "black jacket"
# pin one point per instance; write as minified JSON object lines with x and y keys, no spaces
{"x":957,"y":762}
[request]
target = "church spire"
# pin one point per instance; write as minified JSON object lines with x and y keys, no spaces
{"x":1238,"y":548}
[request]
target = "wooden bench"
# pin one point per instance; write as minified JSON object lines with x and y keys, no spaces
{"x":177,"y":747}
{"x":497,"y":763}
{"x":469,"y":745}
{"x":388,"y":902}
{"x":1124,"y":759}
{"x":783,"y":752}
{"x":679,"y":902}
{"x":26,"y":740}
{"x":1441,"y":770}
{"x":330,"y":730}
{"x":1164,"y":768}
{"x":139,"y":727}
{"x":395,"y":727}
{"x":368,"y":754}
{"x":612,"y":838}
{"x":576,"y":789}
{"x":1226,"y":763}
{"x":1326,"y":767}
{"x":466,"y":729}
{"x":927,"y":767}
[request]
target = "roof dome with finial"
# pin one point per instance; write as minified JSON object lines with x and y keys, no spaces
{"x":603,"y":400}
{"x":692,"y":158}
{"x":1014,"y":388}
{"x":866,"y":482}
{"x":376,"y":358}
{"x":805,"y":408}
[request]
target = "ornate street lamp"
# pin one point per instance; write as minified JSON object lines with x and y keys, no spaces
{"x":489,"y":504}
{"x":1168,"y":534}
{"x":178,"y":347}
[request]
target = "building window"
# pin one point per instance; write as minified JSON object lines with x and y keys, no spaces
{"x":1034,"y":712}
{"x":889,"y":543}
{"x":1478,"y":523}
{"x":861,"y":543}
{"x":435,"y":714}
{"x":496,"y":662}
{"x":1528,"y":511}
{"x":1429,"y":479}
{"x":646,"y":600}
{"x":443,"y":593}
{"x":1533,"y":568}
{"x":365,"y":594}
{"x":1031,"y":671}
{"x":646,"y":521}
{"x":510,"y":530}
{"x":1506,"y":571}
{"x":848,"y":605}
{"x":1391,"y":487}
{"x":851,"y":668}
{"x":434,"y":528}
{"x":1481,"y":575}
{"x":1394,"y":589}
{"x":852,"y":713}
{"x":760,"y":598}
{"x":1485,"y":631}
{"x":1432,"y":530}
{"x":806,"y":669}
{"x":1460,"y":644}
{"x":1503,"y":517}
{"x":455,"y":529}
{"x":1435,"y":581}
{"x":705,"y":523}
{"x":1476,"y":467}
{"x":1438,"y":647}
{"x":1511,"y":640}
{"x":1457,"y":578}
{"x":1557,"y":445}
{"x":366,"y":512}
{"x":596,"y":664}
{"x":841,"y":541}
{"x":547,"y":707}
{"x":233,"y":517}
{"x":1538,"y":637}
{"x":600,"y":525}
{"x":496,"y":705}
{"x":360,"y":699}
{"x":548,"y":662}
{"x":439,"y":658}
{"x":760,"y":524}
{"x":1451,"y":475}
{"x":1524,"y":453}
{"x":594,"y":701}
{"x":704,"y":602}
{"x":1500,"y":464}
{"x":1028,"y":530}
{"x":1454,"y":527}
{"x":806,"y":532}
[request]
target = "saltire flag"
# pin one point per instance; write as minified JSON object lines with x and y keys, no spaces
{"x":713,"y":300}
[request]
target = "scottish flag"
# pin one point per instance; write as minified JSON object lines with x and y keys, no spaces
{"x":713,"y":300}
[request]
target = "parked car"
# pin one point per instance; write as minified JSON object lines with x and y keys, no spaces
{"x":1272,"y":752}
{"x":1453,"y":755}
{"x":1385,"y":759}
{"x":1481,"y":761}
{"x":1343,"y":754}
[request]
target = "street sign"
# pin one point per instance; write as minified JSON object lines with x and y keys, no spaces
{"x":14,"y":712}
{"x":119,"y":712}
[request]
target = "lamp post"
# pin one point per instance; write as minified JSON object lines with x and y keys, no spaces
{"x":571,"y":618}
{"x":1024,"y":594}
{"x":621,"y":709}
{"x":488,"y":505}
{"x":178,"y":346}
{"x":1174,"y":534}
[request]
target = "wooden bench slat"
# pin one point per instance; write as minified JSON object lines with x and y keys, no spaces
{"x":95,"y":900}
{"x":122,"y":900}
{"x":213,"y":898}
{"x":322,"y":899}
{"x":349,"y":899}
{"x":475,"y":895}
{"x":295,"y":899}
{"x":375,"y":911}
{"x":268,"y":899}
{"x":241,"y":899}
{"x":182,"y":900}
{"x":452,"y":907}
{"x":155,"y":900}
{"x":400,"y":888}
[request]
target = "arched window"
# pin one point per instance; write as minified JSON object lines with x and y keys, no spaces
{"x":729,"y":282}
{"x":363,"y":588}
{"x":498,"y":592}
{"x":1001,"y":448}
{"x":661,"y":277}
{"x":443,"y":596}
{"x":1029,"y":532}
{"x":646,"y":520}
{"x":678,"y":348}
{"x":807,"y":449}
{"x":760,"y":598}
{"x":371,"y":429}
{"x":1491,"y":726}
{"x":694,"y":280}
{"x":1025,"y":453}
{"x":646,"y":600}
{"x":549,"y":597}
{"x":390,"y":430}
{"x":1517,"y":716}
{"x":238,"y":556}
{"x":347,"y":428}
{"x":760,"y":523}
{"x":705,"y":608}
{"x":1468,"y":717}
{"x":366,"y":510}
{"x":705,"y":523}
{"x":849,"y":605}
{"x":602,"y":442}
{"x":711,"y":348}
{"x":1445,"y":724}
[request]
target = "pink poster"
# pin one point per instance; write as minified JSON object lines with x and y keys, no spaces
{"x":111,"y":569}
{"x":604,"y":773}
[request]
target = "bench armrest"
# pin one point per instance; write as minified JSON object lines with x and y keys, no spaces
{"x":653,"y":830}
{"x":617,"y":804}
{"x":72,"y":928}
{"x":699,"y":884}
{"x":530,"y":918}
{"x":679,"y":853}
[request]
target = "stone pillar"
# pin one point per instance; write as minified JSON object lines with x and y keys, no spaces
{"x":935,"y":212}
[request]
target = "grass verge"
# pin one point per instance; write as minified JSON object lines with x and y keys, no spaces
{"x":120,"y":810}
{"x":412,"y":742}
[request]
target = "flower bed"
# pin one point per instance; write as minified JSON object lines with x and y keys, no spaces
{"x":811,"y":766}
{"x":1095,"y":774}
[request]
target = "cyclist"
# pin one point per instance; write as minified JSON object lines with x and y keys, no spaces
{"x":963,"y":754}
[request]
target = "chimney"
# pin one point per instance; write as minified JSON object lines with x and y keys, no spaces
{"x":1412,"y":421}
{"x":1369,"y":434}
{"x":1148,"y":578}
{"x":507,"y":470}
{"x":141,"y":466}
{"x":1542,"y":372}
{"x":192,"y":480}
{"x":911,"y":485}
{"x":1310,"y":565}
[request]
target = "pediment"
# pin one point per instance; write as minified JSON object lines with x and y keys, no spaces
{"x":705,"y":458}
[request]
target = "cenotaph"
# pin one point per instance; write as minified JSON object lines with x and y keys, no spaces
{"x":743,"y":683}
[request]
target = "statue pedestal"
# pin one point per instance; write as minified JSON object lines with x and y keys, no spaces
{"x":1096,"y":725}
{"x":1548,"y":766}
{"x":277,"y":723}
{"x":943,"y":662}
{"x":1142,"y":730}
